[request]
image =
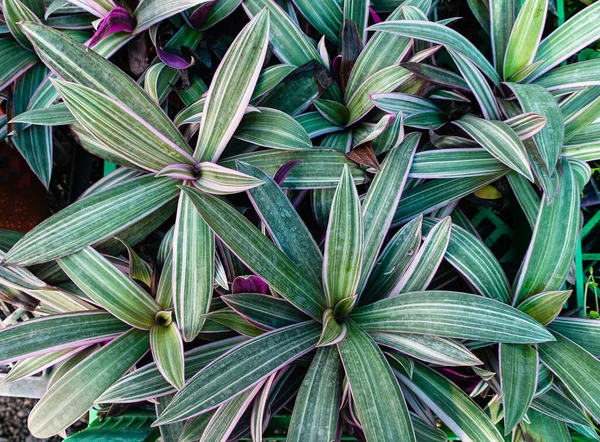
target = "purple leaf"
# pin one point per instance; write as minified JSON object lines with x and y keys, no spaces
{"x":173,"y":58}
{"x":118,"y":19}
{"x":284,"y":171}
{"x":198,"y":17}
{"x":249,"y":284}
{"x":376,"y":18}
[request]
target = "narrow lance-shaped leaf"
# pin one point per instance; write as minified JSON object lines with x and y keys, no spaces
{"x":231,"y":88}
{"x":545,"y":306}
{"x":14,"y":61}
{"x":35,"y":364}
{"x":502,"y":17}
{"x":554,"y":404}
{"x":382,"y":199}
{"x":584,"y":332}
{"x":16,"y":12}
{"x":75,"y":393}
{"x":342,"y":260}
{"x":272,"y":128}
{"x":333,"y":331}
{"x":150,"y":12}
{"x":167,"y":351}
{"x":240,"y":369}
{"x":325,"y":16}
{"x":92,"y":219}
{"x":110,"y":288}
{"x":452,"y":315}
{"x":358,"y":12}
{"x":219,"y":180}
{"x":258,"y":253}
{"x":543,"y":427}
{"x":552,"y":245}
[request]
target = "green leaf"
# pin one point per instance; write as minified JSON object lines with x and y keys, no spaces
{"x":168,"y":433}
{"x":584,"y":73}
{"x":285,"y":226}
{"x":553,"y":242}
{"x":240,"y":369}
{"x":391,"y":138}
{"x":424,"y":265}
{"x":576,"y":368}
{"x":502,"y":17}
{"x":271,"y":77}
{"x":219,"y":180}
{"x":75,"y":393}
{"x":451,"y":404}
{"x":55,"y":115}
{"x":14,"y":61}
{"x":290,"y":44}
{"x":546,"y":306}
{"x":541,"y":427}
{"x":73,"y":62}
{"x":110,"y":288}
{"x":374,"y":388}
{"x":518,"y":373}
{"x":527,"y":197}
{"x":393,"y":262}
{"x":315,"y":412}
{"x":478,"y":84}
{"x":35,"y":364}
{"x":451,"y":315}
{"x":16,"y":12}
{"x":325,"y":16}
{"x":432,"y":349}
{"x":158,"y":80}
{"x":584,"y":332}
{"x":232,"y":320}
{"x":527,"y":125}
{"x":167,"y":351}
{"x":272,"y":128}
{"x":258,"y":253}
{"x":315,"y":125}
{"x":383,"y":81}
{"x":525,"y":36}
{"x":569,"y":38}
{"x":93,"y":218}
{"x":439,"y":34}
{"x":193,"y":268}
{"x":358,"y":12}
{"x":318,"y":168}
{"x":475,"y":262}
{"x":231,"y":88}
{"x":557,"y":406}
{"x":332,"y":332}
{"x":381,"y":201}
{"x":499,"y":140}
{"x":342,"y":260}
{"x":147,"y":382}
{"x":265,"y":311}
{"x":150,"y":12}
{"x":194,"y":428}
{"x":138,"y":268}
{"x":334,"y":112}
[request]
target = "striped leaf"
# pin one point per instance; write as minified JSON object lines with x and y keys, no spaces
{"x":194,"y":428}
{"x":374,"y":389}
{"x":478,"y":84}
{"x":150,"y":12}
{"x":392,"y":137}
{"x":527,"y":197}
{"x":527,"y":125}
{"x":168,"y":433}
{"x":525,"y":36}
{"x":318,"y":168}
{"x":147,"y":382}
{"x":334,"y":112}
{"x":285,"y":226}
{"x":231,"y":88}
{"x":358,"y":12}
{"x":584,"y":73}
{"x":499,"y":140}
{"x":266,"y":312}
{"x":557,"y":406}
{"x":576,"y":368}
{"x":452,"y":405}
{"x":240,"y":369}
{"x":381,"y":201}
{"x":15,"y":12}
{"x":393,"y":262}
{"x":14,"y":61}
{"x":518,"y":374}
{"x":424,"y":265}
{"x":542,"y":427}
{"x":546,"y":306}
{"x":451,"y":315}
{"x":290,"y":44}
{"x":383,"y":81}
{"x":342,"y":260}
{"x":502,"y":17}
{"x":35,"y":364}
{"x":258,"y":253}
{"x":271,"y":77}
{"x":569,"y":38}
{"x":439,"y":34}
{"x":167,"y":350}
{"x":57,"y":332}
{"x":315,"y":125}
{"x":75,"y":393}
{"x":219,"y":180}
{"x":553,"y":242}
{"x":326,"y":17}
{"x":231,"y":320}
{"x":55,"y":115}
{"x":193,"y":268}
{"x":73,"y":62}
{"x":454,"y":163}
{"x":92,"y":219}
{"x":110,"y":288}
{"x":315,"y":412}
{"x":432,"y":349}
{"x":475,"y":262}
{"x":272,"y":128}
{"x":584,"y":332}
{"x":112,"y":124}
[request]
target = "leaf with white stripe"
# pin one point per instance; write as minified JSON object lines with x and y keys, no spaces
{"x":271,"y":77}
{"x":325,"y":16}
{"x":541,"y":427}
{"x":572,"y":75}
{"x":110,"y":288}
{"x":315,"y":125}
{"x":150,"y":12}
{"x":358,"y":12}
{"x":259,"y":253}
{"x":240,"y":369}
{"x":272,"y":128}
{"x":499,"y":140}
{"x":552,"y":247}
{"x":584,"y":332}
{"x":35,"y":364}
{"x":432,"y":349}
{"x":219,"y":180}
{"x":55,"y":115}
{"x":545,"y":306}
{"x":502,"y":17}
{"x":451,"y":315}
{"x":15,"y":12}
{"x":454,"y":163}
{"x":527,"y":125}
{"x":374,"y":389}
{"x":382,"y":199}
{"x":554,"y":404}
{"x":231,"y":88}
{"x":14,"y":60}
{"x":92,"y":219}
{"x":342,"y":260}
{"x":76,"y":392}
{"x":167,"y":351}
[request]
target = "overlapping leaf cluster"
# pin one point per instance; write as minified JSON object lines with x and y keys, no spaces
{"x":246,"y":310}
